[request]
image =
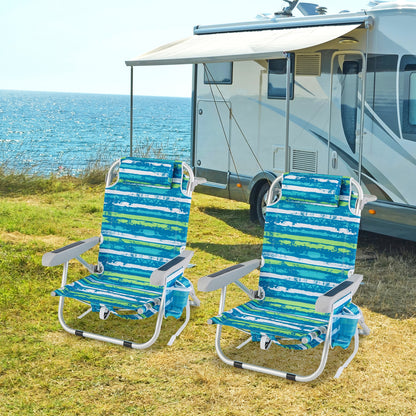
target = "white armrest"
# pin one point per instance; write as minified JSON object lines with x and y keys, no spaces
{"x":64,"y":254}
{"x":159,"y":276}
{"x":325,"y":302}
{"x":229,"y":275}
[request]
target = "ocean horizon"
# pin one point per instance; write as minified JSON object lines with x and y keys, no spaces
{"x":66,"y":133}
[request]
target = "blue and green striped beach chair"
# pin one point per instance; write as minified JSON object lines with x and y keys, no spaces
{"x":306,"y":272}
{"x":142,"y":253}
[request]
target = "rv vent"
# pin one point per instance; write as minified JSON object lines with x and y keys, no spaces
{"x":304,"y":161}
{"x":308,"y":64}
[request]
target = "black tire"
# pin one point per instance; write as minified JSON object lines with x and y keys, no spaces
{"x":261,"y":203}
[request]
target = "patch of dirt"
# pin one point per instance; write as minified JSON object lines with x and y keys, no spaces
{"x":16,"y":237}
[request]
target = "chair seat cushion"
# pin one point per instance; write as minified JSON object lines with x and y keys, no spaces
{"x":113,"y":293}
{"x":260,"y":317}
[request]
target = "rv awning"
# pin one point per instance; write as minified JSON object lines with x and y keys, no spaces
{"x":240,"y":46}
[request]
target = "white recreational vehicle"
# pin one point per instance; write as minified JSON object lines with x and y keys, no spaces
{"x":331,"y":94}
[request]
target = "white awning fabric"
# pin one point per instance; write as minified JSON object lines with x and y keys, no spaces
{"x":240,"y":46}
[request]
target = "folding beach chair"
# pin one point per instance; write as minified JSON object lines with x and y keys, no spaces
{"x":142,"y":253}
{"x":307,"y":272}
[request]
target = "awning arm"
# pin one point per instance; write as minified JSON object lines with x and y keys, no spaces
{"x":288,"y":94}
{"x":363,"y":98}
{"x":360,"y":18}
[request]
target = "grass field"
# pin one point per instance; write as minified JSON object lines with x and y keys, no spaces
{"x":46,"y":371}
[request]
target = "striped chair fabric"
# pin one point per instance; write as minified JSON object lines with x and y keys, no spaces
{"x":145,"y":224}
{"x":309,"y":246}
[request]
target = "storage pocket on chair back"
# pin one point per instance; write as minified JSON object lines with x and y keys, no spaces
{"x":344,"y":326}
{"x":177,"y":297}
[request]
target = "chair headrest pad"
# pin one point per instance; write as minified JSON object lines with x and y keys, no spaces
{"x":311,"y":188}
{"x":147,"y":172}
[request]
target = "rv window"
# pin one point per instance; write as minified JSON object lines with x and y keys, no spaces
{"x":277,"y":78}
{"x":412,"y":99}
{"x":218,"y":73}
{"x":349,"y":101}
{"x":408,"y":96}
{"x":381,"y":88}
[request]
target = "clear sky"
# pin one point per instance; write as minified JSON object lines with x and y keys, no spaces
{"x":81,"y":45}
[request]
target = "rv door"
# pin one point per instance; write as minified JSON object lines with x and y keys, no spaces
{"x":345,"y":114}
{"x":213,"y":142}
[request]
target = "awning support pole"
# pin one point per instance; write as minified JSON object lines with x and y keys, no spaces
{"x":131,"y":111}
{"x":288,"y":94}
{"x":363,"y":98}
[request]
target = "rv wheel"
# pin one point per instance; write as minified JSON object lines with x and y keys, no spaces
{"x":261,"y":203}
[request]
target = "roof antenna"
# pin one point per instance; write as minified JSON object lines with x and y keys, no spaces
{"x":311,"y":9}
{"x":287,"y":11}
{"x":375,"y":3}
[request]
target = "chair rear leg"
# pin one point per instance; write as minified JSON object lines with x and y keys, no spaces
{"x":195,"y":301}
{"x":349,"y":359}
{"x":179,"y":331}
{"x":365,"y":330}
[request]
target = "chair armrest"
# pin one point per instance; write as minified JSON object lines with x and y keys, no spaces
{"x":326,"y":301}
{"x":229,"y":275}
{"x":64,"y":254}
{"x":159,"y":276}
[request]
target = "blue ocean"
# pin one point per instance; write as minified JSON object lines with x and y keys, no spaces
{"x":48,"y":133}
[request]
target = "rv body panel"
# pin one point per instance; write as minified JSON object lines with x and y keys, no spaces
{"x":331,"y":129}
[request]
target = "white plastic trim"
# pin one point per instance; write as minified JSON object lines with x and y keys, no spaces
{"x":109,"y":177}
{"x":271,"y":190}
{"x":188,"y":169}
{"x":359,"y":205}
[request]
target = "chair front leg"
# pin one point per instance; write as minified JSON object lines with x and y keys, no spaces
{"x":111,"y":340}
{"x":65,"y":273}
{"x":271,"y":371}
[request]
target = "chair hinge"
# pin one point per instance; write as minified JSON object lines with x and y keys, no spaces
{"x":98,"y":268}
{"x":265,"y":342}
{"x":259,"y":294}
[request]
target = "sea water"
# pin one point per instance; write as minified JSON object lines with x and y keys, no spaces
{"x":67,"y":133}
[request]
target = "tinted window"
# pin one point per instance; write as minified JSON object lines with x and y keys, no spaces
{"x":408,"y":96}
{"x":381,"y":88}
{"x":412,"y":99}
{"x":218,"y":73}
{"x":349,"y":101}
{"x":277,"y":78}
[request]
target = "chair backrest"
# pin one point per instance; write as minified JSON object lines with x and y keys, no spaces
{"x":145,"y":218}
{"x":310,"y":240}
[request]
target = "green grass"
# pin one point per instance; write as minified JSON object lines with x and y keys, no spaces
{"x":46,"y":371}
